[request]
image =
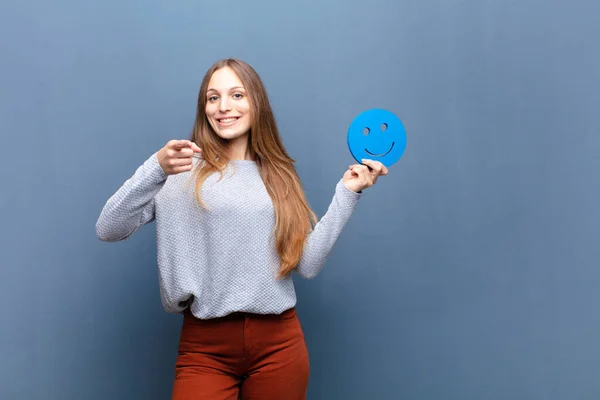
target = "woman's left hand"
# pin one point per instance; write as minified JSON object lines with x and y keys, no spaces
{"x":361,"y":176}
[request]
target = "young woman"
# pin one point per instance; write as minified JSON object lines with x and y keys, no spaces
{"x":232,"y":224}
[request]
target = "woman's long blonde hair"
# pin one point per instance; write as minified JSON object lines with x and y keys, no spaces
{"x":293,"y":216}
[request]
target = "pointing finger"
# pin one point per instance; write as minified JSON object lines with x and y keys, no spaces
{"x":181,"y":144}
{"x":184,"y":153}
{"x":196,"y":148}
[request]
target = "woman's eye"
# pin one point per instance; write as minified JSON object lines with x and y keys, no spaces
{"x":212,"y":98}
{"x":238,"y":95}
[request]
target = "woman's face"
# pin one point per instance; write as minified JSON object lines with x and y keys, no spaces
{"x":227,"y":106}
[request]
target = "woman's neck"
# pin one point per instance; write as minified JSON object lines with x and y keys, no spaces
{"x":239,"y":149}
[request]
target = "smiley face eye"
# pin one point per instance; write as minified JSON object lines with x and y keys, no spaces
{"x":384,"y":127}
{"x":366,"y":131}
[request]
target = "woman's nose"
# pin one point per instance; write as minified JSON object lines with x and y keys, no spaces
{"x":224,"y":105}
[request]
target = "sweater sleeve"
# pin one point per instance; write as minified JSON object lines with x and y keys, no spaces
{"x":132,"y":206}
{"x":326,"y":232}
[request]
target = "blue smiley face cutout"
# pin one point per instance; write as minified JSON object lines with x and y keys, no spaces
{"x":377,"y":135}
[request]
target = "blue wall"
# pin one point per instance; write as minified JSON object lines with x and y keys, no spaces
{"x":470,"y":272}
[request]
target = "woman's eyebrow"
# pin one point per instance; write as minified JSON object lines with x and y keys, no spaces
{"x":230,"y":89}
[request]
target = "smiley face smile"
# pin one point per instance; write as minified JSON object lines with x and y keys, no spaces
{"x":377,"y":134}
{"x":382,"y":154}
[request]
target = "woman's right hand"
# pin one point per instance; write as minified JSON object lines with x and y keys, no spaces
{"x":176,"y":156}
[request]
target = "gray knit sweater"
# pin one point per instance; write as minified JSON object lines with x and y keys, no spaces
{"x":221,"y":259}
